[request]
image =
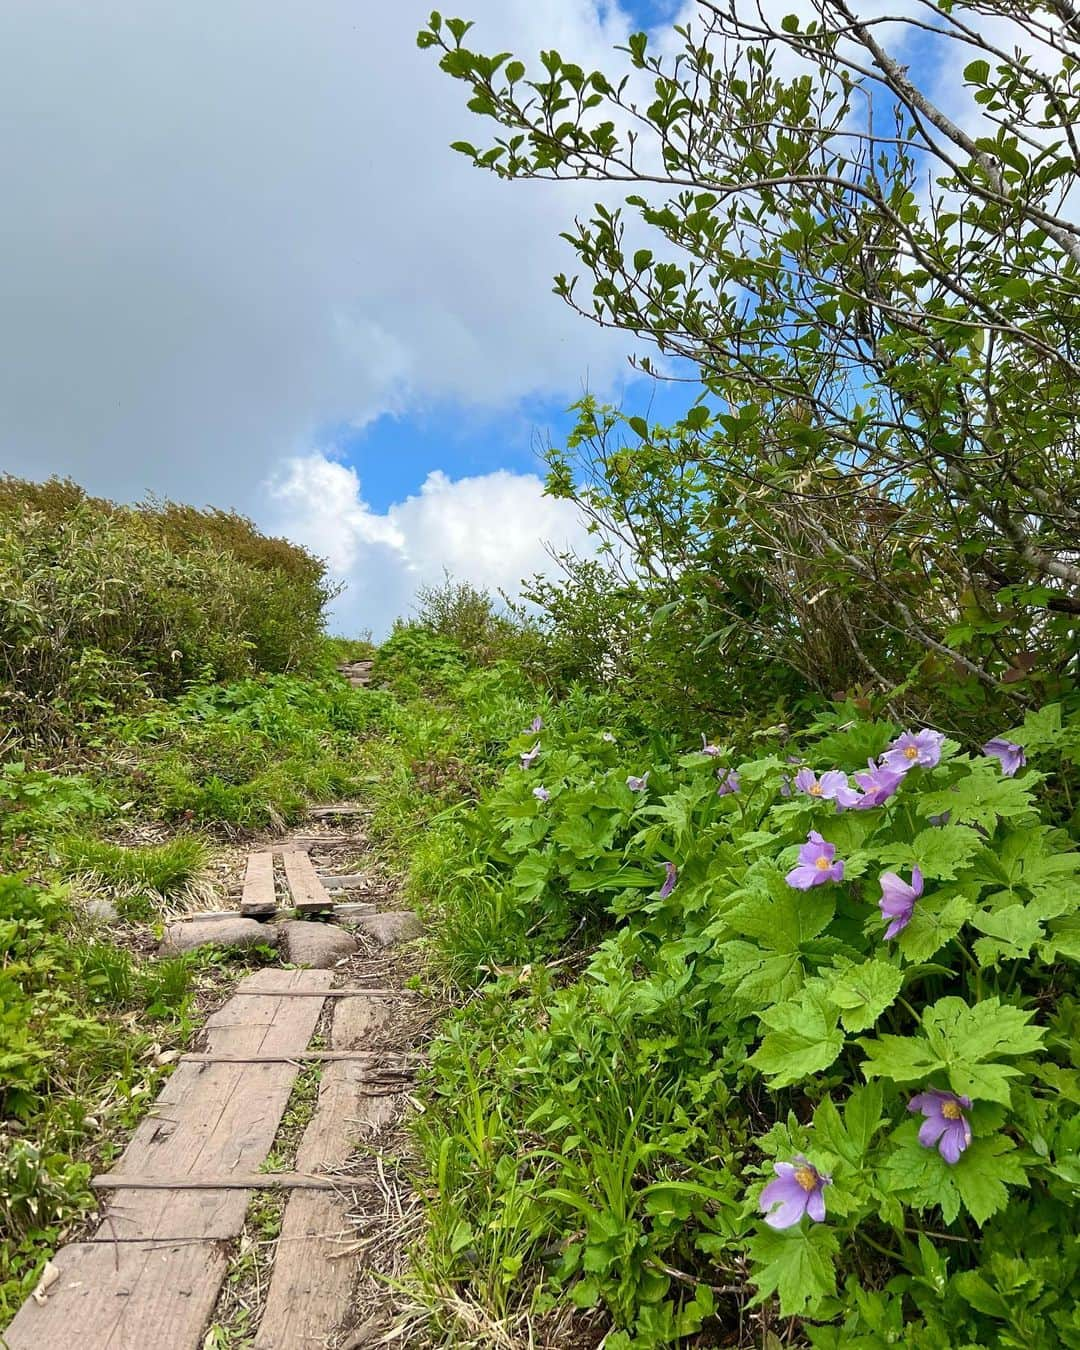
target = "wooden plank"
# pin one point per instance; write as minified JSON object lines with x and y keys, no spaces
{"x":124,"y":1296}
{"x":311,"y":1291}
{"x":354,"y":991}
{"x":347,"y":881}
{"x":379,"y":1057}
{"x":358,"y":1022}
{"x":309,"y":895}
{"x":258,"y":897}
{"x":230,"y":1181}
{"x":215,"y":1119}
{"x":328,"y":812}
{"x":307,"y":841}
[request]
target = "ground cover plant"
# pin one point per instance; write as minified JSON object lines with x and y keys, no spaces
{"x":822,"y":1058}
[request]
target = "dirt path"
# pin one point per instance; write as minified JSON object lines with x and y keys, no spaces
{"x":278,"y":1133}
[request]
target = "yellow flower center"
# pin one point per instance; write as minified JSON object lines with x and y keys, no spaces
{"x":815,"y":791}
{"x":822,"y":864}
{"x":951,"y":1111}
{"x":912,"y":752}
{"x":806,"y":1177}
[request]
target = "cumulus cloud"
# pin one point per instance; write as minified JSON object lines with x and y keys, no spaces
{"x":492,"y":530}
{"x":228,"y":226}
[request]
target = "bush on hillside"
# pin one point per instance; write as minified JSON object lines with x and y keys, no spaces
{"x":101,"y":605}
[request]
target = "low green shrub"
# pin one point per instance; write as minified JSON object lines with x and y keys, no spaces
{"x":101,"y":606}
{"x":606,"y":1136}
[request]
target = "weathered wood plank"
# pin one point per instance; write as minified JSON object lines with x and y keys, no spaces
{"x":311,"y":1288}
{"x":341,"y":809}
{"x":231,"y":1181}
{"x":310,"y":1291}
{"x":309,"y":895}
{"x":258,"y":896}
{"x":346,"y":881}
{"x":124,"y":1296}
{"x":385,"y":1058}
{"x":219,"y":1118}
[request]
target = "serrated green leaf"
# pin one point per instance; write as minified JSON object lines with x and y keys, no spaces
{"x":1011,"y":933}
{"x":803,"y":1038}
{"x":941,"y":852}
{"x":936,"y":920}
{"x":986,"y":1167}
{"x":797,"y":1264}
{"x":864,"y":992}
{"x":982,"y":797}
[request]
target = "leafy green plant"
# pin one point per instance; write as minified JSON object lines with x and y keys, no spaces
{"x":746,"y":1009}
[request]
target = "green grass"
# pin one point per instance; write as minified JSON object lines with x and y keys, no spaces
{"x":169,"y":868}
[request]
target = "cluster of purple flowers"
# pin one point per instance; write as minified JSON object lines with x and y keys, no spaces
{"x":799,"y":1188}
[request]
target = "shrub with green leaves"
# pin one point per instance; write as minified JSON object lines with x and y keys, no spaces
{"x":825,"y":1060}
{"x":102,"y":605}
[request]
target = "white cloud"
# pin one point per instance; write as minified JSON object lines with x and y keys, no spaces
{"x":492,"y":530}
{"x":228,"y":226}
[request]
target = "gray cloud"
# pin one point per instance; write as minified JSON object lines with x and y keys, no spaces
{"x":227,"y":225}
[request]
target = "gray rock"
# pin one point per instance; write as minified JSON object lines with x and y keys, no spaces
{"x":104,"y":911}
{"x":399,"y":925}
{"x":187,"y":934}
{"x":319,"y":945}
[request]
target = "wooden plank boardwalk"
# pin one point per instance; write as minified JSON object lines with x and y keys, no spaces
{"x":150,"y":1277}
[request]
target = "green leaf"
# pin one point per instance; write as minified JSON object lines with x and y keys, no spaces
{"x":803,"y":1038}
{"x":983,"y":797}
{"x":978,"y":72}
{"x":967,"y":1043}
{"x":864,"y":992}
{"x":642,"y":259}
{"x":1011,"y":933}
{"x":940,"y":852}
{"x":985,"y":1168}
{"x":797,"y":1264}
{"x":937,"y":919}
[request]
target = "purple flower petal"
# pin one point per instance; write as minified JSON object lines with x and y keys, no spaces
{"x":529,"y":758}
{"x":541,"y":794}
{"x":669,"y":880}
{"x":817,"y":864}
{"x":707,"y":748}
{"x":945,"y":1123}
{"x":797,"y":1190}
{"x":638,"y":784}
{"x":914,"y":748}
{"x":878,"y":785}
{"x":729,"y":782}
{"x":1010,"y":755}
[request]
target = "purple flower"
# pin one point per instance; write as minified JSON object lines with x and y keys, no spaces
{"x":607,"y":736}
{"x":729,"y":782}
{"x":833,"y":787}
{"x":945,"y":1123}
{"x":638,"y":784}
{"x":816,"y":864}
{"x":537,"y":724}
{"x":898,"y":900}
{"x":669,"y":880}
{"x":707,"y":748}
{"x":799,"y":1189}
{"x":541,"y":794}
{"x":921,"y":747}
{"x":878,"y":784}
{"x":528,"y":759}
{"x":1011,"y":755}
